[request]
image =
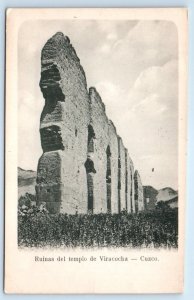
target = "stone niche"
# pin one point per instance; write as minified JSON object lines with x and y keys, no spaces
{"x":85,"y":167}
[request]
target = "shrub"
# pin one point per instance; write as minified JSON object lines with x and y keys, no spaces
{"x":27,"y":200}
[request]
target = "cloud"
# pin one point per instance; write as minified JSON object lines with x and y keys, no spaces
{"x":151,"y":105}
{"x":147,"y":44}
{"x":157,"y":89}
{"x":154,"y":43}
{"x":158,"y":78}
{"x":112,"y":36}
{"x":146,"y":118}
{"x":105,"y":48}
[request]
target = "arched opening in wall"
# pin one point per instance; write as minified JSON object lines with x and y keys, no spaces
{"x":136,"y":196}
{"x":91,"y":137}
{"x":90,"y":170}
{"x":90,"y":193}
{"x":108,"y":178}
{"x":131,"y":191}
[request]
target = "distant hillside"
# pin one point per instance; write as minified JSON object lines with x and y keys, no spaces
{"x":153,"y":196}
{"x":166,"y":194}
{"x":26,"y":181}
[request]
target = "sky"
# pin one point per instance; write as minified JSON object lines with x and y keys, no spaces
{"x":134,"y":67}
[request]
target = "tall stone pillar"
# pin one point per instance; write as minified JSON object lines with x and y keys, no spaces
{"x":61,"y":174}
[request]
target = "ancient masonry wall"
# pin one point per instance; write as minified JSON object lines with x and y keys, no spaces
{"x":114,"y":154}
{"x":63,"y":128}
{"x":84,"y":166}
{"x":129,"y":185}
{"x":139,"y":199}
{"x":121,"y":174}
{"x":98,"y":150}
{"x":132,"y":186}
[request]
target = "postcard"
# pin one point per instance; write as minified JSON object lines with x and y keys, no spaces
{"x":95,"y":174}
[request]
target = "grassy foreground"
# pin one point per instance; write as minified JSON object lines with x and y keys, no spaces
{"x":38,"y":228}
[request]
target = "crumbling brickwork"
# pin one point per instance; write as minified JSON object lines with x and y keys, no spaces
{"x":84,"y":166}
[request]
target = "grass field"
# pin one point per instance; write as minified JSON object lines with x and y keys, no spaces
{"x":154,"y":229}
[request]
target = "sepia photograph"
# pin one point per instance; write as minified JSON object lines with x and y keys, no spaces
{"x":98,"y":132}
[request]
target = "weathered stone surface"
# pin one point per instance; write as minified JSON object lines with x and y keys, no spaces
{"x":139,"y":200}
{"x":129,"y":185}
{"x":97,"y":149}
{"x":64,"y":123}
{"x":84,"y":166}
{"x":113,"y":144}
{"x":121,"y":174}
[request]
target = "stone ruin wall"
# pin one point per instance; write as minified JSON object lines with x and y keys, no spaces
{"x":98,"y":145}
{"x":84,"y":166}
{"x":132,"y":186}
{"x":113,"y":143}
{"x":129,"y":196}
{"x":139,"y":199}
{"x":63,"y":128}
{"x":121,"y":172}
